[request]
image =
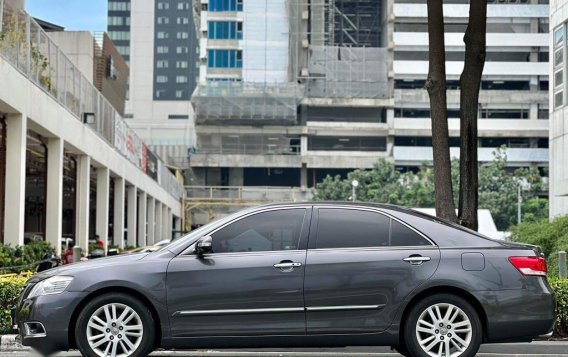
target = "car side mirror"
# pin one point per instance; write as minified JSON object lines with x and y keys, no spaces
{"x":204,"y":246}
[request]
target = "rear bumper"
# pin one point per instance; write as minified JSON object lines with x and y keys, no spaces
{"x":519,"y":315}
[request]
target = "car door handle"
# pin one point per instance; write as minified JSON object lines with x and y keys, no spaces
{"x":287,"y":266}
{"x":416,"y":259}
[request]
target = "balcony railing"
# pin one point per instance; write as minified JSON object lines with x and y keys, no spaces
{"x":25,"y":45}
{"x":247,"y":193}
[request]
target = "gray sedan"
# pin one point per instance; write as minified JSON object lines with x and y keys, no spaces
{"x":295,"y":275}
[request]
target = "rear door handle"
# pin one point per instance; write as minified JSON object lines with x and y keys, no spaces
{"x":287,"y":265}
{"x":416,"y":259}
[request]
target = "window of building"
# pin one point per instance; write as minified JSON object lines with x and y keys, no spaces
{"x":225,"y":59}
{"x":345,"y":228}
{"x":162,"y":35}
{"x":225,"y":5}
{"x":162,"y":49}
{"x":347,"y":143}
{"x":182,"y":35}
{"x":179,"y":93}
{"x":182,"y":49}
{"x":162,"y":79}
{"x":559,"y":48}
{"x":119,"y":35}
{"x":162,"y":64}
{"x":160,"y":93}
{"x":163,"y":20}
{"x":543,"y":112}
{"x":162,"y":5}
{"x":225,"y":30}
{"x":181,"y":79}
{"x":181,"y":64}
{"x":513,"y":113}
{"x":182,"y":20}
{"x":178,"y":116}
{"x":119,"y":6}
{"x":183,"y":5}
{"x":266,"y":231}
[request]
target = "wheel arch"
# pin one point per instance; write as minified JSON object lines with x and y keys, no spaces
{"x":115,"y":289}
{"x":445,"y":289}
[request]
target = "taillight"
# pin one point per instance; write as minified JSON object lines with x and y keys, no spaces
{"x":530,"y":265}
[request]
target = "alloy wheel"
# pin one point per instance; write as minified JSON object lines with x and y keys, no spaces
{"x":444,"y":330}
{"x":114,"y":330}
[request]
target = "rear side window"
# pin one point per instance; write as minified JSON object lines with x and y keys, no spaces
{"x":349,"y":228}
{"x":344,"y":228}
{"x":266,"y":231}
{"x":402,"y":236}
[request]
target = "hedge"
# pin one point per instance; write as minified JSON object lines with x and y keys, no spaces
{"x":560,"y":288}
{"x":10,"y":288}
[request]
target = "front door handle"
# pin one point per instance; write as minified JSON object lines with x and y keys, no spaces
{"x":287,"y":265}
{"x":416,"y":259}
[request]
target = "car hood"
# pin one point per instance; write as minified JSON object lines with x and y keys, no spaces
{"x":72,"y":269}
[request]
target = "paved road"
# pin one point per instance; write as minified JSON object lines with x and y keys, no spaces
{"x":545,"y":349}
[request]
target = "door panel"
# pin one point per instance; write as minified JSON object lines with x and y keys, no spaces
{"x":355,"y":277}
{"x":236,"y":294}
{"x":252,"y":283}
{"x":369,"y":283}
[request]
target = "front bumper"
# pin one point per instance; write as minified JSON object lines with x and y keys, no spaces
{"x":43,"y":322}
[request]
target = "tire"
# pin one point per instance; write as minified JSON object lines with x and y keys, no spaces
{"x":425,"y":315}
{"x":131,"y":319}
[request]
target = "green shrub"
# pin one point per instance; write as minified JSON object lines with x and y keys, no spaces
{"x":23,"y":258}
{"x":552,"y":237}
{"x":10,"y":289}
{"x":560,"y":288}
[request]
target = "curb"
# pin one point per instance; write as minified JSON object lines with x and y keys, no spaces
{"x":10,"y":343}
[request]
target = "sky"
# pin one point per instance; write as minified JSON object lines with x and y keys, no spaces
{"x":87,"y":15}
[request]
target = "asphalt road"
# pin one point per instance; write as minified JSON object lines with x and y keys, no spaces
{"x":545,"y":349}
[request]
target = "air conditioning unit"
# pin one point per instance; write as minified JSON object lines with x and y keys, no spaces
{"x":305,"y":15}
{"x":305,"y":43}
{"x":304,"y":72}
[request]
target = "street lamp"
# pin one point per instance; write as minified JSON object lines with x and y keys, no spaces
{"x":354,"y":185}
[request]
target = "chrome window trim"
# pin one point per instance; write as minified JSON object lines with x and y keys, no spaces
{"x":345,"y":307}
{"x":190,"y":250}
{"x":378,"y":210}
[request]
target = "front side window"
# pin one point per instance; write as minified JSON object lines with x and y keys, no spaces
{"x":266,"y":231}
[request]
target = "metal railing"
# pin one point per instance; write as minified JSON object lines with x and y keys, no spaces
{"x":247,"y":193}
{"x":25,"y":45}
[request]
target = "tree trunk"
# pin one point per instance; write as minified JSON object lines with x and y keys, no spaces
{"x":470,"y":82}
{"x":436,"y":86}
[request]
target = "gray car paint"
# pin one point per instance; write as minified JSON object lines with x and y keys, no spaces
{"x":513,"y":307}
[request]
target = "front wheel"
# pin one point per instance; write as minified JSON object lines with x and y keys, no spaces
{"x":115,"y":325}
{"x":443,"y":325}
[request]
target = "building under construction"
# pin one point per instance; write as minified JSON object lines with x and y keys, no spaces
{"x":291,"y":91}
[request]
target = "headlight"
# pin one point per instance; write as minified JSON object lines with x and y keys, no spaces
{"x":51,"y":286}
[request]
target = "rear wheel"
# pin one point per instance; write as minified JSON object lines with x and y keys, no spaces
{"x":443,"y":325}
{"x":115,"y":325}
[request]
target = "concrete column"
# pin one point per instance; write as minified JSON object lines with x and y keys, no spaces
{"x":118,"y":222}
{"x":54,"y":199}
{"x":304,"y":176}
{"x":177,"y":227}
{"x":165,"y":224}
{"x":103,"y":195}
{"x":158,"y":225}
{"x":142,"y":219}
{"x":151,"y":208}
{"x":303,"y":145}
{"x":169,"y":226}
{"x":82,"y":212}
{"x":15,"y":186}
{"x":132,"y":213}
